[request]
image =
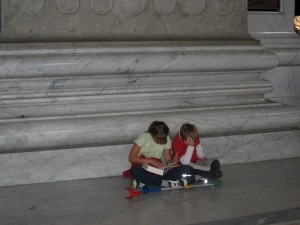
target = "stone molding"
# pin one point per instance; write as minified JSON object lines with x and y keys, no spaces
{"x":127,"y":75}
{"x":67,"y":6}
{"x":132,"y":7}
{"x":129,"y":59}
{"x":193,"y":7}
{"x":32,"y":6}
{"x":101,"y":7}
{"x":224,"y":7}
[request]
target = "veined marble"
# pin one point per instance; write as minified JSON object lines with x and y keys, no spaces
{"x":276,"y":32}
{"x":112,"y":128}
{"x":286,"y":81}
{"x":70,"y":110}
{"x":126,"y":59}
{"x":91,"y":162}
{"x":244,"y":148}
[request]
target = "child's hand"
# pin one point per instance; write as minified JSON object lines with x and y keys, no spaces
{"x":156,"y":163}
{"x":173,"y":161}
{"x":190,"y":141}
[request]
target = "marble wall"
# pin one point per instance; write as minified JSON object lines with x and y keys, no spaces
{"x":276,"y":32}
{"x":121,"y":20}
{"x":70,"y":110}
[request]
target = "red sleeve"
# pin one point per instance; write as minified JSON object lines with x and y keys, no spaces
{"x":194,"y":156}
{"x":179,"y":148}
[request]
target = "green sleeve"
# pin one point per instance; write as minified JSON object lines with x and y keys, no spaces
{"x":168,"y":145}
{"x":140,"y":140}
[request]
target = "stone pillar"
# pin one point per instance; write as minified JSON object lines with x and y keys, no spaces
{"x":70,"y":110}
{"x":276,"y":32}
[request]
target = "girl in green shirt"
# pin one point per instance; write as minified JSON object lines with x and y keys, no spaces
{"x":151,"y":147}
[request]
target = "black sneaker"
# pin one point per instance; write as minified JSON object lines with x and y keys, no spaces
{"x":177,"y":183}
{"x":174,"y":183}
{"x":218,"y":174}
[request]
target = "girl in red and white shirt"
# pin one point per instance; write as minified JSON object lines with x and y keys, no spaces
{"x":186,"y":146}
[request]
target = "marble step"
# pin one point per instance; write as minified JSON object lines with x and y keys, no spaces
{"x":35,"y":60}
{"x":108,"y":129}
{"x":67,"y":102}
{"x":81,"y":48}
{"x":146,"y":91}
{"x":93,"y":104}
{"x":61,"y":164}
{"x":49,"y":83}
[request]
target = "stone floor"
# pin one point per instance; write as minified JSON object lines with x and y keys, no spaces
{"x":252,"y":193}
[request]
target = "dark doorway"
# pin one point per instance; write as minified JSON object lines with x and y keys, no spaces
{"x":297,"y":17}
{"x":264,"y":5}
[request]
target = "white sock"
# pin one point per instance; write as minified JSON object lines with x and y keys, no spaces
{"x":198,"y":177}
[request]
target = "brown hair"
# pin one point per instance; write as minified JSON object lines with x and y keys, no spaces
{"x":159,"y":131}
{"x":188,"y":130}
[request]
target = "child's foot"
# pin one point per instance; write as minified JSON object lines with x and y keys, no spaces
{"x":136,"y":184}
{"x":174,"y":183}
{"x":218,"y":174}
{"x":177,"y":183}
{"x":199,"y":178}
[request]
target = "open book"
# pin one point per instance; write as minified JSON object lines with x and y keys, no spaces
{"x":202,"y":164}
{"x":157,"y":170}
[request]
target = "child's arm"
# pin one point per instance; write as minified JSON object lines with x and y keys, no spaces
{"x":186,"y":158}
{"x":169,"y":160}
{"x":199,"y":151}
{"x":133,"y":157}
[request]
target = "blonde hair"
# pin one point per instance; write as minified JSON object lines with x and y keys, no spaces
{"x":188,"y":130}
{"x":159,"y":132}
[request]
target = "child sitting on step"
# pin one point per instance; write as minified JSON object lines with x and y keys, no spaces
{"x":150,"y":147}
{"x":186,"y":146}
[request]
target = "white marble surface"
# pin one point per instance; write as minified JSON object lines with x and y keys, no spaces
{"x":120,"y":59}
{"x":286,"y":81}
{"x":94,"y":105}
{"x":92,"y":162}
{"x":253,"y":147}
{"x":59,"y":96}
{"x":265,"y":192}
{"x":291,"y":101}
{"x":70,"y":110}
{"x":276,"y":32}
{"x":113,"y":128}
{"x":273,"y":25}
{"x":59,"y":165}
{"x":130,"y":81}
